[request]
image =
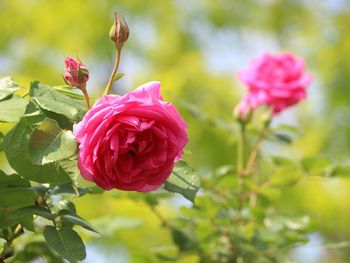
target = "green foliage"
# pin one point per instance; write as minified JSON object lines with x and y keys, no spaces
{"x":11,"y":110}
{"x":66,"y":242}
{"x":43,"y":153}
{"x":118,"y":76}
{"x":7,"y":88}
{"x":183,"y":180}
{"x":49,"y":143}
{"x":53,"y":101}
{"x":74,"y":219}
{"x":15,"y":194}
{"x":17,"y":148}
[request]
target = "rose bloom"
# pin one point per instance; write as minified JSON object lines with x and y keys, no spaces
{"x":76,"y":74}
{"x":130,"y":142}
{"x":278,"y":81}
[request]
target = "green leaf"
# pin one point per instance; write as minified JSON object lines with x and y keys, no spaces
{"x":68,"y":188}
{"x":63,"y":205}
{"x":66,"y":242}
{"x":11,"y":110}
{"x":285,"y":175}
{"x":183,"y":180}
{"x":50,"y":143}
{"x":70,"y":166}
{"x":14,"y":191}
{"x":284,"y":133}
{"x":183,"y":241}
{"x":32,"y":210}
{"x":286,"y":128}
{"x":69,"y":91}
{"x":40,"y":189}
{"x":7,"y":87}
{"x":118,"y":76}
{"x":341,"y":170}
{"x":279,"y":160}
{"x":1,"y":138}
{"x":151,"y":199}
{"x":317,"y":165}
{"x":2,"y":244}
{"x":73,"y":218}
{"x":337,"y":245}
{"x":283,"y":138}
{"x":17,"y":144}
{"x":54,"y":101}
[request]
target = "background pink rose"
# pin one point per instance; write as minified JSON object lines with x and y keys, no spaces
{"x":278,"y":81}
{"x":131,"y":142}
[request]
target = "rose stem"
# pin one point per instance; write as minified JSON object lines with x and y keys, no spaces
{"x":250,"y":164}
{"x":86,"y":96}
{"x":240,"y":153}
{"x":116,"y":65}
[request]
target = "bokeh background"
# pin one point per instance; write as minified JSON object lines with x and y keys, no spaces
{"x":195,"y":48}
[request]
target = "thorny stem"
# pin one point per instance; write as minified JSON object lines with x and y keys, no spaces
{"x":240,"y":154}
{"x":115,"y":69}
{"x":86,"y":96}
{"x":250,"y":165}
{"x":48,"y":208}
{"x":254,"y":153}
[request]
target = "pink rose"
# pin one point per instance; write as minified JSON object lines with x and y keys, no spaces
{"x":76,"y":74}
{"x":130,"y":142}
{"x":278,"y":81}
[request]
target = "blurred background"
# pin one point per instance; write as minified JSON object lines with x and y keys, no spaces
{"x":195,"y":49}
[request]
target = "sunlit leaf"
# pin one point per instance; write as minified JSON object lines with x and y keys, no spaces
{"x":7,"y":87}
{"x":69,"y":91}
{"x":11,"y":110}
{"x":50,"y":143}
{"x":17,"y":143}
{"x":51,"y":100}
{"x":183,"y":180}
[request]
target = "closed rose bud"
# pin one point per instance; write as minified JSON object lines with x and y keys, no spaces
{"x":76,"y":74}
{"x":119,"y":32}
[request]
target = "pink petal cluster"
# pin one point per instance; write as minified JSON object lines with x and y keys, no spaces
{"x":277,"y":81}
{"x":130,"y":142}
{"x":76,"y":74}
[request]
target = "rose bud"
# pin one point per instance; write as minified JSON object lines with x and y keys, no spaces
{"x":275,"y":80}
{"x":119,"y":32}
{"x":76,"y":74}
{"x":130,"y":142}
